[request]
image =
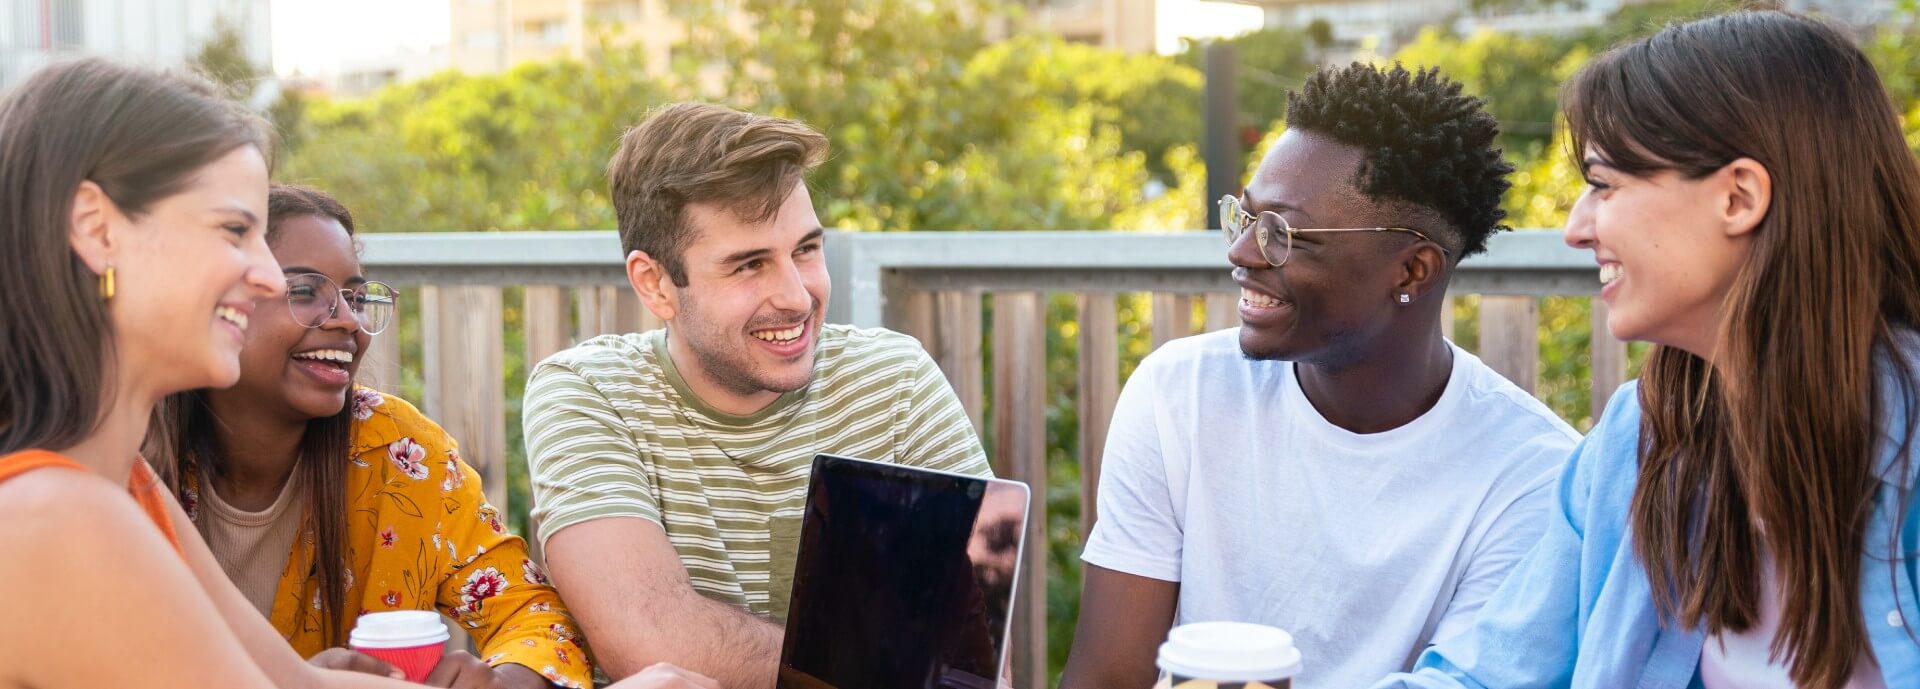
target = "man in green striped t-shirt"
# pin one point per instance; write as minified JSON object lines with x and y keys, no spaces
{"x":670,"y":467}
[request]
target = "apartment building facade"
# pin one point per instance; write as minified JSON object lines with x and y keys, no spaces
{"x":34,"y":33}
{"x":493,"y":35}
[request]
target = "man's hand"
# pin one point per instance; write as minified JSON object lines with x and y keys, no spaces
{"x":666,"y":676}
{"x":354,"y":661}
{"x":460,"y":670}
{"x":626,"y":586}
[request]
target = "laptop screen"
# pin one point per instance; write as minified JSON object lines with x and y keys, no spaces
{"x":904,"y":578}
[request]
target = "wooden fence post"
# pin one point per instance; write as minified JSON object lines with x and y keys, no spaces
{"x":1099,"y":389}
{"x":1020,"y":453}
{"x":1510,"y":338}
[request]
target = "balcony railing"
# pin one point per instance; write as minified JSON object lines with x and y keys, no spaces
{"x":967,"y":297}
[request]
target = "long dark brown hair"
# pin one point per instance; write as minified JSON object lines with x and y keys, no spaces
{"x":138,"y":134}
{"x":184,"y":432}
{"x":1781,"y":434}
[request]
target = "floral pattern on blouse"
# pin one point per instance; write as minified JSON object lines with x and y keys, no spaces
{"x":410,"y":500}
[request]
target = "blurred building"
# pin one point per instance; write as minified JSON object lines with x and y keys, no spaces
{"x":493,"y":35}
{"x":362,"y":76}
{"x":155,"y":32}
{"x":1121,"y":24}
{"x":1381,"y":26}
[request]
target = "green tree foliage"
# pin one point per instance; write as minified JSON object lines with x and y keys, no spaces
{"x":934,"y":128}
{"x":223,"y":58}
{"x":524,"y":150}
{"x":1518,"y":76}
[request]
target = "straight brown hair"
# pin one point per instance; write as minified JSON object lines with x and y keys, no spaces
{"x":184,"y":430}
{"x":1782,"y":433}
{"x":689,"y":153}
{"x":140,"y":135}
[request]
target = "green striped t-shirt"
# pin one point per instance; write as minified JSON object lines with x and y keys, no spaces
{"x":613,"y":431}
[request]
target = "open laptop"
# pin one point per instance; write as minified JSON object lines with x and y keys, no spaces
{"x":904,"y":578}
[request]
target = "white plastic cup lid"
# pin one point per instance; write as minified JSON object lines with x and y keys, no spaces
{"x":398,"y":629}
{"x":1230,"y":652}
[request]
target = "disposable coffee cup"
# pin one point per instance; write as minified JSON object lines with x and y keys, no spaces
{"x":1228,"y":655}
{"x":412,"y":640}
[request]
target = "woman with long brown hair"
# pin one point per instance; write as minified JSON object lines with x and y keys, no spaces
{"x":322,"y":500}
{"x":1745,"y":514}
{"x":132,"y":251}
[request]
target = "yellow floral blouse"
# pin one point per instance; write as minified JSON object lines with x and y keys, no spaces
{"x":421,"y":536}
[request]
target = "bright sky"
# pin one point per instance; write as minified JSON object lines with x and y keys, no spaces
{"x":1196,"y":19}
{"x":317,"y":36}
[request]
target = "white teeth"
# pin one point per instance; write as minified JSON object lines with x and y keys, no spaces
{"x":231,"y":315}
{"x":1253,"y":298}
{"x":333,"y":355}
{"x":781,"y":335}
{"x":1610,"y":272}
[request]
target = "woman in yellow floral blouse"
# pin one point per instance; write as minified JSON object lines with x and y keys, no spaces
{"x":320,"y":510}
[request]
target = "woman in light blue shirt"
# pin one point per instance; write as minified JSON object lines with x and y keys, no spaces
{"x":1745,"y":514}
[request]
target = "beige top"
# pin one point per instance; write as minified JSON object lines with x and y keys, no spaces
{"x":252,"y":547}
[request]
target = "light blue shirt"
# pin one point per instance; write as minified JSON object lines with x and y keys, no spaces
{"x":1577,"y":610}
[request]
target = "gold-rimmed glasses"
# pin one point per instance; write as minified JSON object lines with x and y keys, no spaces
{"x":1236,"y":221}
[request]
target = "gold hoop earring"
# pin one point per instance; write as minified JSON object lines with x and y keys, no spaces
{"x":106,"y":284}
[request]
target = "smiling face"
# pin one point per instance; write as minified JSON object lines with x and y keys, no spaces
{"x":188,"y":274}
{"x":755,"y":297}
{"x":1337,"y":289}
{"x":1667,"y":252}
{"x":303,"y":373}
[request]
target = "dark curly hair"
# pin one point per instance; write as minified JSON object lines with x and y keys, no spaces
{"x":1424,"y":141}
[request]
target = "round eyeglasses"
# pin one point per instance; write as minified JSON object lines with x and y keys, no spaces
{"x":314,"y":299}
{"x":1235,"y":221}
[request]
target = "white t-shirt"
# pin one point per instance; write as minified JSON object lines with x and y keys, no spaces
{"x":1220,"y":475}
{"x":1744,"y":660}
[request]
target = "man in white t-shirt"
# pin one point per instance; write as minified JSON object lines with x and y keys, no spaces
{"x":1334,"y":467}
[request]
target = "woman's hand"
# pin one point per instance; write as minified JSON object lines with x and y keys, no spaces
{"x":354,"y":661}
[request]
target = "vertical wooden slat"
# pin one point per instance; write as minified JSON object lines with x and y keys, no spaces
{"x":1223,"y":311}
{"x":586,"y":306}
{"x":917,"y":319}
{"x":1099,"y":388}
{"x":462,"y":335}
{"x":611,"y":310}
{"x":546,"y":311}
{"x":380,"y":366}
{"x":630,"y":315}
{"x":1608,"y":365}
{"x":1172,"y":317}
{"x":959,"y":351}
{"x":608,"y":298}
{"x":465,"y":392}
{"x":1020,"y":452}
{"x":1510,"y":338}
{"x":431,"y":364}
{"x":1446,"y":317}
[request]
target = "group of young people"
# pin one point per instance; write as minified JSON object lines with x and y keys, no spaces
{"x":194,"y":492}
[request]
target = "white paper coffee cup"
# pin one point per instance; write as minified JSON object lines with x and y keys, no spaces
{"x":1209,"y":654}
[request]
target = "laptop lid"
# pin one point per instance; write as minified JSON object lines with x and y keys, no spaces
{"x":904,"y":578}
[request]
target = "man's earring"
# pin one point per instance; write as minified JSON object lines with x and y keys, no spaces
{"x":1404,"y":299}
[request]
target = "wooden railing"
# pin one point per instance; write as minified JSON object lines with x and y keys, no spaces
{"x":966,"y":296}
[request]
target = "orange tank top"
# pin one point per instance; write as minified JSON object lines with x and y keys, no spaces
{"x":143,"y":485}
